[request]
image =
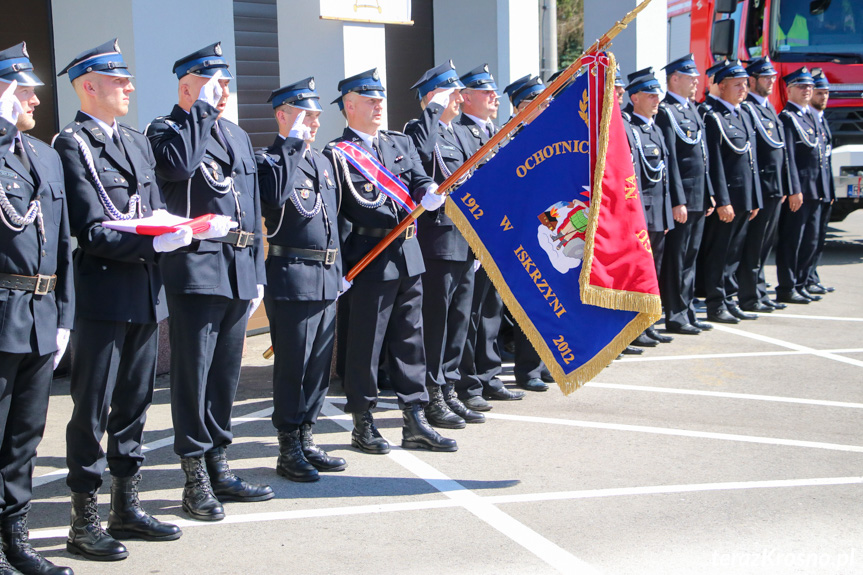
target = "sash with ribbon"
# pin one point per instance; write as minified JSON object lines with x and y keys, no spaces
{"x":377,"y":174}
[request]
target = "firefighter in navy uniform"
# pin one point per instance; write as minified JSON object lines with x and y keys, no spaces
{"x":820,"y":96}
{"x":206,"y":165}
{"x":109,"y":174}
{"x":731,"y":143}
{"x":304,"y":276}
{"x":443,"y":146}
{"x":386,"y":299}
{"x":36,"y":300}
{"x":809,"y":191}
{"x":530,"y":371}
{"x":691,"y":194}
{"x":650,"y":160}
{"x":773,"y":172}
{"x":481,"y":361}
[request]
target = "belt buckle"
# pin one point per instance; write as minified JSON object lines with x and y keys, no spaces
{"x":411,"y":231}
{"x":243,"y":239}
{"x":43,"y":285}
{"x":330,"y":258}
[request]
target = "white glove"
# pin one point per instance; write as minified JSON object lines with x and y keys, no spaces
{"x":346,"y":285}
{"x":431,"y":200}
{"x":476,"y":265}
{"x":300,"y":130}
{"x":442,"y":97}
{"x":10,"y":107}
{"x":253,"y":305}
{"x":173,"y":240}
{"x":211,"y":92}
{"x":62,"y":342}
{"x":219,"y":228}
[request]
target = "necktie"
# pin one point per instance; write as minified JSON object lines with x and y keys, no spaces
{"x":489,"y":129}
{"x":118,"y":141}
{"x":375,"y":148}
{"x":217,"y":134}
{"x":21,"y":154}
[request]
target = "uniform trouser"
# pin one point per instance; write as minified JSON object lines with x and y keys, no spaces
{"x":798,"y":242}
{"x":657,"y":247}
{"x":528,"y":365}
{"x":760,"y":236}
{"x":677,"y":280}
{"x":207,"y":335}
{"x":303,"y":334}
{"x":113,"y":374}
{"x":720,"y":254}
{"x":25,"y":385}
{"x":826,"y":210}
{"x":447,"y":295}
{"x":481,"y":362}
{"x":391,"y":309}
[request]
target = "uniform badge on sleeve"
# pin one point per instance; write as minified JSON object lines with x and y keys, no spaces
{"x":304,"y":193}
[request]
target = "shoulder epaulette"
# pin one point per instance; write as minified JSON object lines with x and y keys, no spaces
{"x":271,"y":159}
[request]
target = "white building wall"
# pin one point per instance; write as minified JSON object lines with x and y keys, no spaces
{"x":150,"y":43}
{"x":643,"y":43}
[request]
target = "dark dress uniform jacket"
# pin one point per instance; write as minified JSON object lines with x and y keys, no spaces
{"x":733,"y":173}
{"x":807,"y":154}
{"x":23,"y":253}
{"x":285,"y":176}
{"x":116,"y":276}
{"x":436,"y":232}
{"x":655,"y":196}
{"x":772,"y":162}
{"x":688,"y":164}
{"x":182,"y":142}
{"x":403,"y":257}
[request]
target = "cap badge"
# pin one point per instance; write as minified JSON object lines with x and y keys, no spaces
{"x":218,"y":50}
{"x":312,"y":84}
{"x":375,"y":75}
{"x":24,"y":51}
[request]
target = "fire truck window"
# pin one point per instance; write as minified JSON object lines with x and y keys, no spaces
{"x":754,"y":38}
{"x":823,"y":26}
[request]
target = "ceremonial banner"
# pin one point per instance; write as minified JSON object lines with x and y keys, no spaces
{"x":556,"y":221}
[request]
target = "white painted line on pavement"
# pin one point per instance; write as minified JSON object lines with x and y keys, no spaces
{"x":158,"y":444}
{"x":665,"y":489}
{"x":789,"y":345}
{"x":733,"y":355}
{"x":725,"y":394}
{"x":557,"y":557}
{"x":660,"y":430}
{"x":816,"y":317}
{"x":50,"y":533}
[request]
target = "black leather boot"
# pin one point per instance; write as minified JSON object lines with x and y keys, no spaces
{"x":5,"y":567}
{"x":459,"y":408}
{"x":21,"y":555}
{"x":317,"y":456}
{"x":198,"y":499}
{"x":128,"y":520}
{"x":418,"y":434}
{"x":229,"y":487}
{"x":292,"y":464}
{"x":366,"y":436}
{"x":86,"y":536}
{"x":438,"y":412}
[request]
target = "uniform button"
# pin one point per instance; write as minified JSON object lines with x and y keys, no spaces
{"x":331,"y":242}
{"x":243,"y":214}
{"x":2,"y":131}
{"x":144,"y":208}
{"x":44,"y":254}
{"x":158,"y":301}
{"x":116,"y":180}
{"x":204,"y":114}
{"x":234,"y":173}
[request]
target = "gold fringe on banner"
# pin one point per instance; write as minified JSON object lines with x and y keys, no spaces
{"x":611,"y":299}
{"x":594,"y":295}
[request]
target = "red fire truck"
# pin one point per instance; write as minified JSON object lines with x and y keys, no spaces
{"x":826,"y":34}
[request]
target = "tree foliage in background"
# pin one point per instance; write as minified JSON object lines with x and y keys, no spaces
{"x":570,"y":31}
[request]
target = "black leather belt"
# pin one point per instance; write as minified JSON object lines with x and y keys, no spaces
{"x":409,"y":232}
{"x":39,"y":285}
{"x":237,"y":239}
{"x":326,"y":256}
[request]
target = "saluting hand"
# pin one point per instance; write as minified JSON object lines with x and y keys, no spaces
{"x":10,"y":107}
{"x":211,"y":92}
{"x":442,"y":97}
{"x":299,"y":129}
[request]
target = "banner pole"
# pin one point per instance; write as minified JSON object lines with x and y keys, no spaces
{"x":493,"y":143}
